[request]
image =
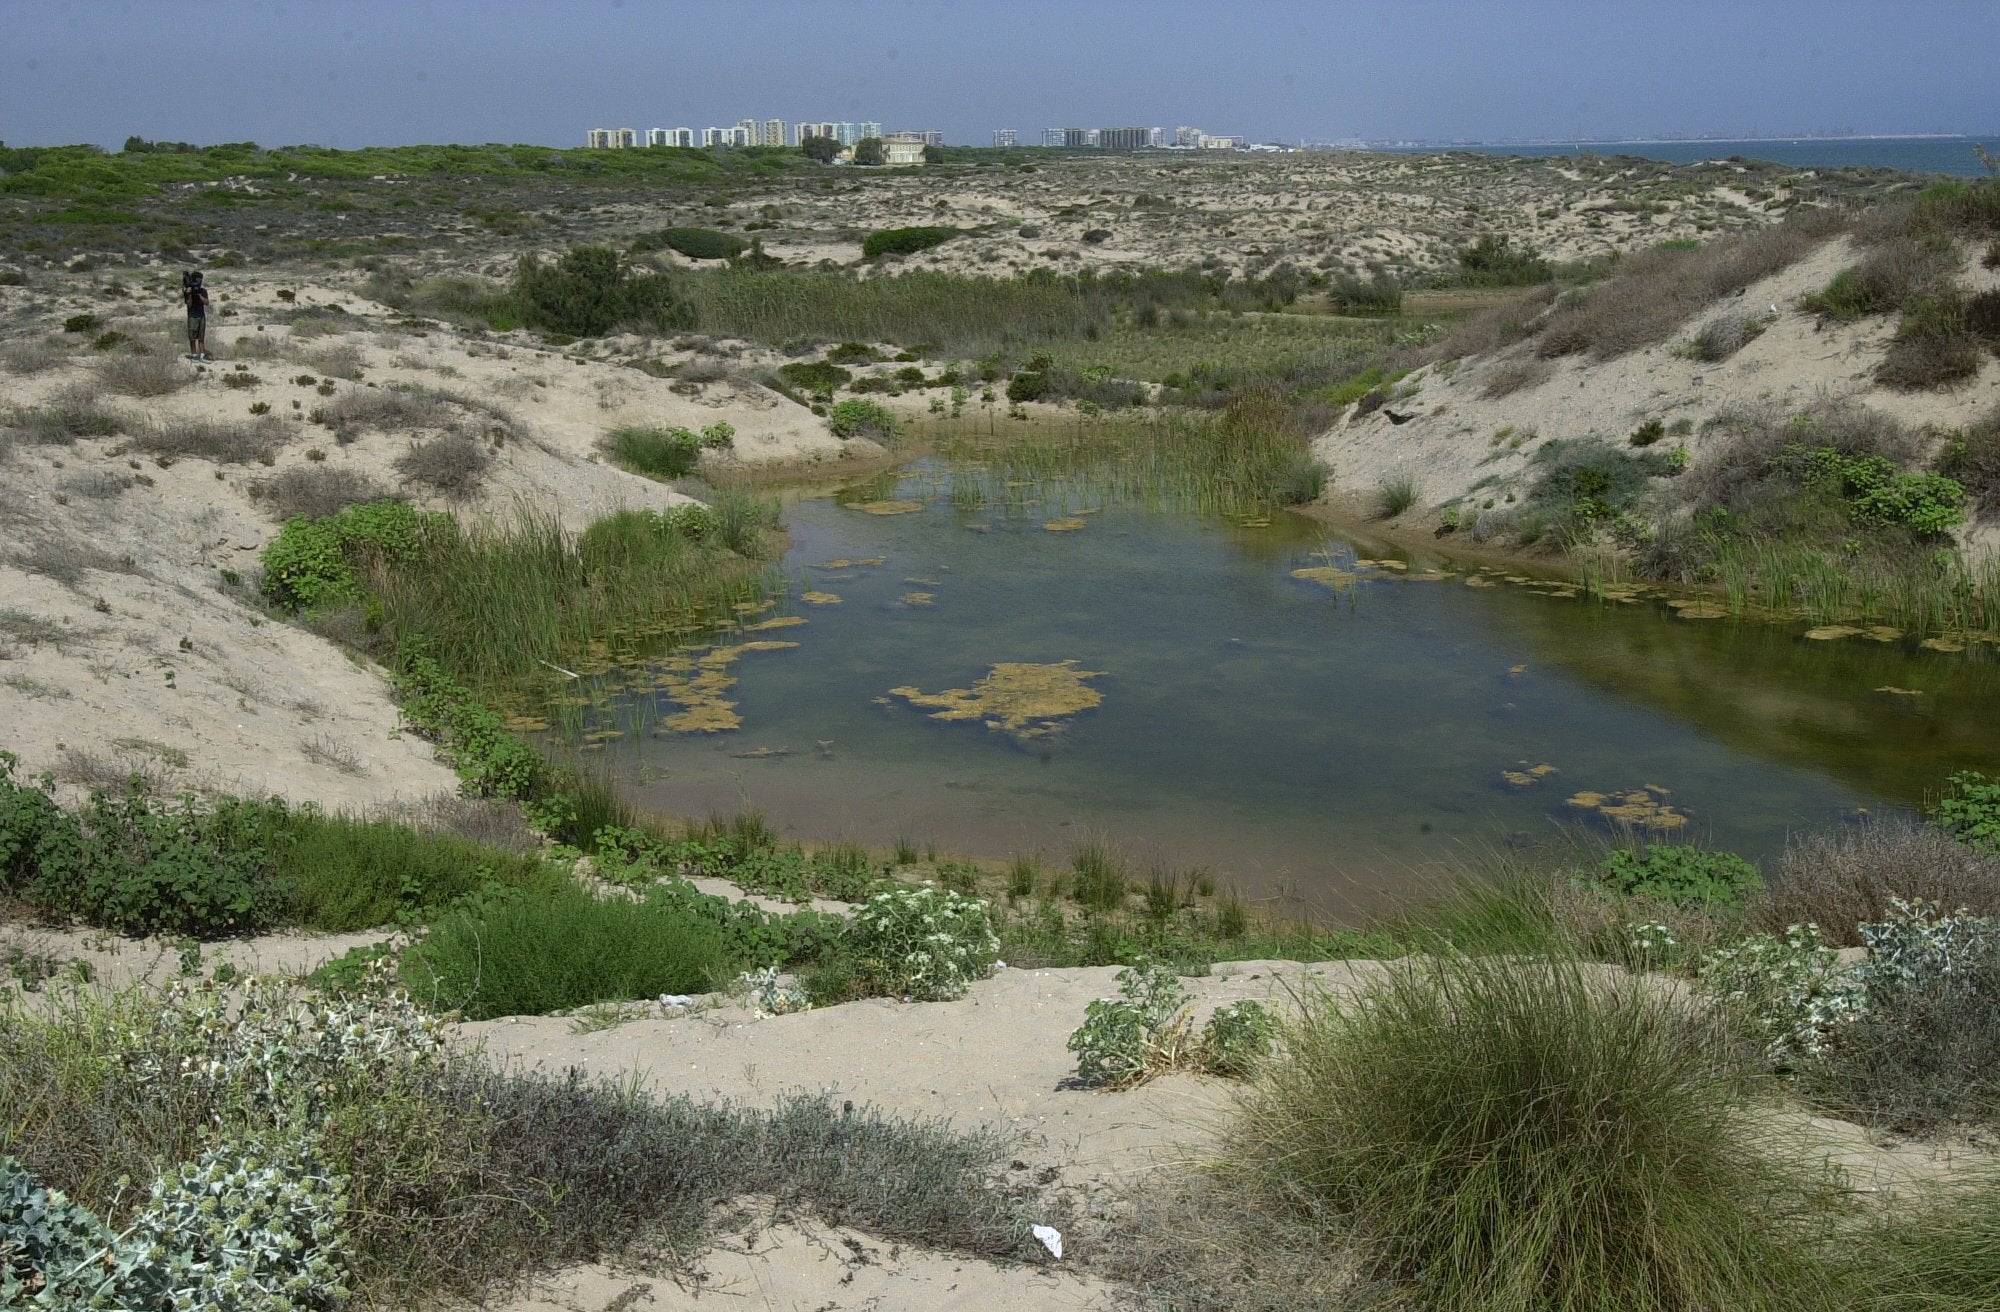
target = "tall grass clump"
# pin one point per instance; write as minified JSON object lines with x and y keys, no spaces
{"x":1395,"y":495}
{"x":1843,"y":879}
{"x":344,"y":873}
{"x":496,"y":608}
{"x":1937,"y":1251}
{"x":1506,"y":1133}
{"x":526,"y":953}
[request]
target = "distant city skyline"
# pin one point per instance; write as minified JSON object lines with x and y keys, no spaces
{"x":385,"y":72}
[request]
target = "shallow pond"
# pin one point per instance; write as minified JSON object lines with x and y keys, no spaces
{"x":1324,"y":733}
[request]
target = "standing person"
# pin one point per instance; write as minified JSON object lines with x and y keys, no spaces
{"x":195,"y":297}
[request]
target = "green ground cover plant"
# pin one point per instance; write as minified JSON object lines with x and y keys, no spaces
{"x":695,"y":243}
{"x":905,"y":241}
{"x":529,"y":952}
{"x":1147,"y":1030}
{"x":1680,"y":874}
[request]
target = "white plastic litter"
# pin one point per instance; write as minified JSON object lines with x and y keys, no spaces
{"x":671,"y":1000}
{"x":1051,"y":1238}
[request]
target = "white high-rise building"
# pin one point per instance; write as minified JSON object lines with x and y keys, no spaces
{"x":867,"y":130}
{"x":1053,"y":136}
{"x":1006,"y":137}
{"x":1187,"y":136}
{"x":600,"y":138}
{"x":612,"y":138}
{"x":771,"y":132}
{"x":670,"y":136}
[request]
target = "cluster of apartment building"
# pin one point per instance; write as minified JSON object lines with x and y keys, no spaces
{"x":752,"y":132}
{"x":1183,"y":138}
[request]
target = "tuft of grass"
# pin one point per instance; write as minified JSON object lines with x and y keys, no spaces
{"x":1511,"y":376}
{"x":69,"y":413}
{"x":656,"y":452}
{"x":143,"y":375}
{"x":1933,"y":347}
{"x":1514,"y":1134}
{"x":1936,"y":1251}
{"x":1100,"y":881}
{"x":530,"y":952}
{"x":1394,"y":495}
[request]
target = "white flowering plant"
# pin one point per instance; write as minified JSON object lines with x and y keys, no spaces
{"x":923,"y":942}
{"x":1919,"y":944}
{"x":1791,"y":989}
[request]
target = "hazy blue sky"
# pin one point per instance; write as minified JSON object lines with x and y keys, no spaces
{"x":359,"y":72}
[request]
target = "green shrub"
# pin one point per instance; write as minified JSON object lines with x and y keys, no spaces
{"x":1381,"y":294}
{"x":922,"y":942}
{"x":29,"y":817}
{"x":1928,"y":505}
{"x":821,"y":377}
{"x":1519,"y":1135}
{"x":1971,"y":809}
{"x":1028,"y":386}
{"x":1789,"y":990}
{"x":1582,"y":481}
{"x":134,"y":867}
{"x":588,"y":293}
{"x":1647,"y":433}
{"x":1494,"y":261}
{"x":905,"y":241}
{"x":529,"y":952}
{"x":1146,"y":1031}
{"x":1681,"y":876}
{"x":314,"y":563}
{"x":858,"y":417}
{"x":654,"y":451}
{"x":695,"y":243}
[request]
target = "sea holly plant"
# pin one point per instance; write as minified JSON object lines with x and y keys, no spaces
{"x":1148,"y":1030}
{"x":923,"y":942}
{"x":236,"y":1231}
{"x":1791,"y":990}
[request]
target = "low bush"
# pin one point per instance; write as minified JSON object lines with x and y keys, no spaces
{"x":127,"y":864}
{"x":526,"y":952}
{"x":820,"y":377}
{"x":858,"y":417}
{"x":314,"y":563}
{"x":1510,"y":1134}
{"x":459,"y":1179}
{"x":1653,"y":293}
{"x":922,"y":942}
{"x":1510,"y":376}
{"x":1923,"y":1053}
{"x":1891,"y":274}
{"x":453,"y":465}
{"x":67,"y":414}
{"x":1148,"y":1030}
{"x":317,"y":491}
{"x":1722,"y":337}
{"x":1494,"y":261}
{"x":1680,"y":875}
{"x":695,"y":243}
{"x":144,"y":375}
{"x":905,"y":241}
{"x":1933,"y":346}
{"x":222,"y":441}
{"x":1843,"y":879}
{"x":1380,"y":294}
